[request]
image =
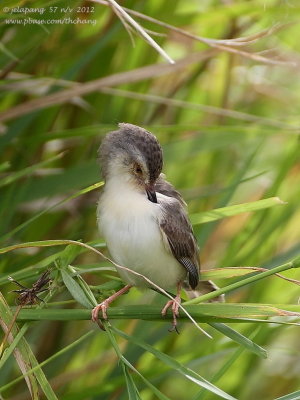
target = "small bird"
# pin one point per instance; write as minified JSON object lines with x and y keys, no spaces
{"x":143,"y":219}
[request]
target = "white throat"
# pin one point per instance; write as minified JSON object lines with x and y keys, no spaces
{"x":124,"y":195}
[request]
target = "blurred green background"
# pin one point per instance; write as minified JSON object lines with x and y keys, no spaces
{"x":227,"y":116}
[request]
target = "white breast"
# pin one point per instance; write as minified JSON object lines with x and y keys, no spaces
{"x":129,"y":224}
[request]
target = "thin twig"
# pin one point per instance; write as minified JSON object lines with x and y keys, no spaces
{"x":146,"y":279}
{"x":160,"y":100}
{"x":199,"y":107}
{"x":122,"y":14}
{"x":128,"y":28}
{"x":9,"y":329}
{"x":80,"y":89}
{"x":260,"y":269}
{"x":221,"y":44}
{"x":74,"y":242}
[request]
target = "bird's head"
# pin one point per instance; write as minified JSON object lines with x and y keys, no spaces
{"x":134,"y":155}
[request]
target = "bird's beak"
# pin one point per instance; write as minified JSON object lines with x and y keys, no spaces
{"x":151,"y":193}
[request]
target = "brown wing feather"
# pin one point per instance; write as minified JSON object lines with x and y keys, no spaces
{"x":179,"y":233}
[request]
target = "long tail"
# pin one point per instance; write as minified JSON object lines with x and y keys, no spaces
{"x":204,"y":287}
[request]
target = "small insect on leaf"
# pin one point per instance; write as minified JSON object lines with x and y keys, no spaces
{"x":29,"y":296}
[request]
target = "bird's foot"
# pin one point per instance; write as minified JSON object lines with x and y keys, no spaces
{"x":100,"y":307}
{"x":174,"y":304}
{"x":103,"y":306}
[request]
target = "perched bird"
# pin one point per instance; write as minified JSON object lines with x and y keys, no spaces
{"x":143,"y":219}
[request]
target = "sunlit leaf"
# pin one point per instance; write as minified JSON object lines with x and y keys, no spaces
{"x":230,"y":211}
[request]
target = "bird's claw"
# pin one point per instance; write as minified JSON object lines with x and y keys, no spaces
{"x":174,"y":328}
{"x":100,"y":307}
{"x":105,"y":304}
{"x":174,"y":304}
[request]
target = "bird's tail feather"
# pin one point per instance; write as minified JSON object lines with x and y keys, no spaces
{"x":204,"y":287}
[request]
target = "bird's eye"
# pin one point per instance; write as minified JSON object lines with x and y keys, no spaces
{"x":138,"y":170}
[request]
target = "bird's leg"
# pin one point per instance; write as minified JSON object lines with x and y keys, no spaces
{"x":105,"y":304}
{"x":174,"y":304}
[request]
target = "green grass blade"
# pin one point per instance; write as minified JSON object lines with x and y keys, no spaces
{"x":27,"y":171}
{"x":132,"y":391}
{"x":27,"y":359}
{"x":290,"y":396}
{"x":225,"y":367}
{"x":74,"y":288}
{"x":284,"y":267}
{"x":201,"y":312}
{"x":8,"y":351}
{"x":239,"y":338}
{"x":45,"y":362}
{"x":224,"y":212}
{"x":113,"y":341}
{"x":202,"y":393}
{"x":175,"y":365}
{"x":38,"y":215}
{"x":22,"y":353}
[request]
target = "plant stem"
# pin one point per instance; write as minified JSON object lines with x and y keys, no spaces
{"x":292,"y":264}
{"x":201,"y":312}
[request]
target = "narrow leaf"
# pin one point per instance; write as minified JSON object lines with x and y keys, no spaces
{"x":132,"y":391}
{"x":230,"y":211}
{"x":124,"y":360}
{"x":290,"y":396}
{"x":46,"y":210}
{"x":12,"y":177}
{"x":239,"y":338}
{"x":201,"y":312}
{"x":26,"y":358}
{"x":75,"y":289}
{"x":174,"y":364}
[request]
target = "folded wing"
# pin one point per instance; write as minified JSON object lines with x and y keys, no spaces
{"x":178,"y":232}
